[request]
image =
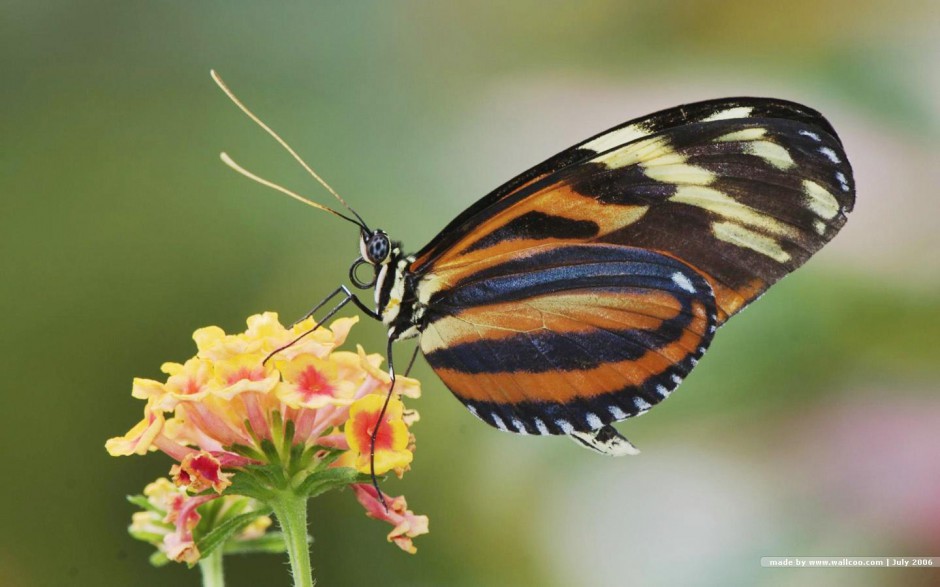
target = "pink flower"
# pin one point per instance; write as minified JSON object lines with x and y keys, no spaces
{"x":406,"y":524}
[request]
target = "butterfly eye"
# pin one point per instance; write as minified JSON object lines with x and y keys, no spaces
{"x":378,"y":248}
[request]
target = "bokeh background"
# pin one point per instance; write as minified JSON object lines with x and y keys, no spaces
{"x":811,"y":428}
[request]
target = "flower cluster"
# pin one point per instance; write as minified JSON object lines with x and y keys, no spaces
{"x":311,"y":408}
{"x":169,"y":519}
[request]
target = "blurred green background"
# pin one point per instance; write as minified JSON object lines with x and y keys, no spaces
{"x":812,"y":427}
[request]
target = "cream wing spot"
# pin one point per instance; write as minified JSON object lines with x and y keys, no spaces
{"x":843,"y":182}
{"x":729,"y":114}
{"x":541,"y":427}
{"x":683,"y":282}
{"x":593,"y":421}
{"x":811,"y":135}
{"x":643,"y":150}
{"x":737,"y":235}
{"x":772,"y":153}
{"x":724,"y":205}
{"x":830,"y":154}
{"x":748,"y":134}
{"x":616,"y":138}
{"x":473,"y":410}
{"x":565,"y":426}
{"x":820,"y":201}
{"x":769,"y":151}
{"x":672,"y":168}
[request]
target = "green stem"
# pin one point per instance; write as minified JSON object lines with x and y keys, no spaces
{"x":291,"y":513}
{"x":211,"y":567}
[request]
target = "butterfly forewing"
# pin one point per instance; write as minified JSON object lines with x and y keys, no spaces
{"x":742,"y":200}
{"x":721,"y":109}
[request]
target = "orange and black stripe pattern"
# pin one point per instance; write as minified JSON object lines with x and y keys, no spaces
{"x":583,"y":291}
{"x":569,"y":338}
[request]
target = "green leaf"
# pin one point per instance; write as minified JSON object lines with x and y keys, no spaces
{"x":251,"y":483}
{"x":323,"y":481}
{"x":287,"y":443}
{"x":221,"y":533}
{"x":272,"y":542}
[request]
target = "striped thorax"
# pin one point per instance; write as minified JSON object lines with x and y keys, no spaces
{"x":396,"y":300}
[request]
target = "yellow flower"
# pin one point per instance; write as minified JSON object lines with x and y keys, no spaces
{"x":139,"y":439}
{"x":311,"y":382}
{"x":391,"y":440}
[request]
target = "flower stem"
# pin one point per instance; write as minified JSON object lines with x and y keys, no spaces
{"x":212,"y":572}
{"x":291,"y":513}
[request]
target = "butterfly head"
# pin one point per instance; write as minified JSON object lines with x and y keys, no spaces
{"x":375,"y":250}
{"x":375,"y":247}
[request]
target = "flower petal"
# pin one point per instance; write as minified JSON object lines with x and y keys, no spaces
{"x":138,"y":439}
{"x":406,"y":524}
{"x":199,"y":471}
{"x":391,"y":442}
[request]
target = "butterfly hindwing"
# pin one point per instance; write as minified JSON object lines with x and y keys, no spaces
{"x":568,"y":338}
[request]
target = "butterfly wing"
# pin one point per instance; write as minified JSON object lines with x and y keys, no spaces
{"x":723,"y":197}
{"x":744,"y":190}
{"x":568,"y":338}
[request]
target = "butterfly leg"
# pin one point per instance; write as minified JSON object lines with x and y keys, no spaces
{"x":411,"y":363}
{"x":319,"y":305}
{"x":378,"y":421}
{"x":607,"y":441}
{"x":350,"y":297}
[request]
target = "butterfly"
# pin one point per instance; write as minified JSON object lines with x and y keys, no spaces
{"x":583,"y":291}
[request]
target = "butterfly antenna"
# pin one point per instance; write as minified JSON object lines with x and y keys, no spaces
{"x":228,"y":92}
{"x":228,"y":161}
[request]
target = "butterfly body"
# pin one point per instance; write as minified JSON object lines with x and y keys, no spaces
{"x":583,"y":291}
